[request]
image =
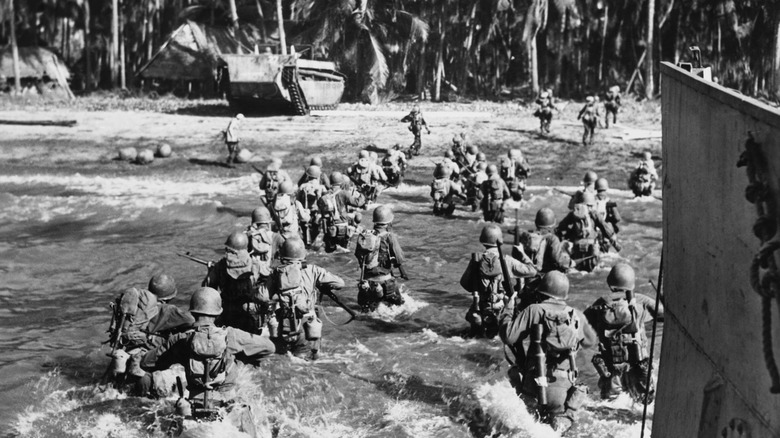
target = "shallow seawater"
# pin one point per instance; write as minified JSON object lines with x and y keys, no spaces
{"x":70,"y":243}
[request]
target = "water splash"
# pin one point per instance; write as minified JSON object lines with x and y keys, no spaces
{"x":387,"y":312}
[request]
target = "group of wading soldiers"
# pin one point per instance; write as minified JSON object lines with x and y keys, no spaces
{"x":589,"y":114}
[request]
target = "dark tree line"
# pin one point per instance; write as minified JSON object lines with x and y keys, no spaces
{"x":436,"y":48}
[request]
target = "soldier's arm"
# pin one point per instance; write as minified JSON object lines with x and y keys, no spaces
{"x":613,"y":215}
{"x":649,"y":306}
{"x":514,"y":329}
{"x":262,"y":294}
{"x":582,"y":111}
{"x":324,"y":279}
{"x":304,"y":215}
{"x":212,"y":276}
{"x":248,"y":348}
{"x":587,"y":334}
{"x":603,"y":227}
{"x":519,"y":268}
{"x":407,"y":118}
{"x":395,"y":249}
{"x":170,"y":319}
{"x":466,"y":279}
{"x":559,"y":255}
{"x":353,"y":199}
{"x":172,"y":350}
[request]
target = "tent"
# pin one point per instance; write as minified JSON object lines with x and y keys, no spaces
{"x":38,"y":67}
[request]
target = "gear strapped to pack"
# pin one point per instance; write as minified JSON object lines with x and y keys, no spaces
{"x":490,"y":278}
{"x":292,"y":299}
{"x":310,"y":192}
{"x":285,"y":213}
{"x":534,"y":245}
{"x":206,"y":368}
{"x":238,"y":284}
{"x":138,"y":306}
{"x":439,"y":189}
{"x":260,"y":243}
{"x":368,"y":249}
{"x":584,"y":228}
{"x":561,"y":338}
{"x":623,"y":340}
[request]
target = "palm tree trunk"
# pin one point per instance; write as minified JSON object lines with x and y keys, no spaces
{"x":439,"y":62}
{"x":533,"y":65}
{"x":603,"y":42}
{"x":649,"y":84}
{"x":87,"y":49}
{"x":14,"y":48}
{"x":775,"y":78}
{"x":280,"y":21}
{"x":233,"y":14}
{"x":113,"y":54}
{"x":122,"y":69}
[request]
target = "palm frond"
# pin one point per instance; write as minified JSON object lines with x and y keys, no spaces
{"x":378,"y":70}
{"x":415,"y":28}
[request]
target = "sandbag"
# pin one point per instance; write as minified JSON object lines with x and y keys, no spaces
{"x":146,"y":156}
{"x":128,"y":154}
{"x":164,"y":150}
{"x":243,"y":156}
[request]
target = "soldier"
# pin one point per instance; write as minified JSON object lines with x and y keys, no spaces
{"x":451,"y":168}
{"x":231,"y":137}
{"x":588,"y":185}
{"x":619,"y":318}
{"x":580,"y":228}
{"x":270,"y":182}
{"x":474,"y":186}
{"x":378,"y":252}
{"x":292,"y":291}
{"x":607,"y":210}
{"x":643,"y":178}
{"x":394,"y":165}
{"x":324,"y":181}
{"x":142,"y":320}
{"x":545,"y":111}
{"x":589,"y":114}
{"x":483,"y":279}
{"x":545,"y":376}
{"x":542,"y":246}
{"x":416,"y":123}
{"x":367,"y":176}
{"x":337,"y":224}
{"x":514,"y":172}
{"x":263,"y":242}
{"x":308,"y":194}
{"x":443,"y":189}
{"x":611,"y":104}
{"x":287,"y":212}
{"x":236,"y":277}
{"x":481,"y":158}
{"x":494,"y":193}
{"x":208,"y":353}
{"x":461,"y":152}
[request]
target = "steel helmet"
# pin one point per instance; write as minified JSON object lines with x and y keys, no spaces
{"x":588,"y":198}
{"x":621,"y":278}
{"x":383,"y":215}
{"x":506,"y":163}
{"x":277,"y":161}
{"x":163,"y":286}
{"x":336,"y":178}
{"x":516,"y":154}
{"x":286,"y":188}
{"x":544,"y":95}
{"x":373,"y":156}
{"x":313,"y":171}
{"x":491,"y":235}
{"x":240,"y":116}
{"x":590,"y":99}
{"x":416,"y":109}
{"x":456,"y":139}
{"x":449,"y":154}
{"x":545,"y":218}
{"x":481,"y":157}
{"x":492,"y":170}
{"x":481,"y":166}
{"x":261,"y":215}
{"x":590,"y":177}
{"x":440,"y":171}
{"x":272,"y":167}
{"x":315,"y":161}
{"x":363,"y":154}
{"x":471,"y":149}
{"x":206,"y":301}
{"x":602,"y":185}
{"x":237,"y":240}
{"x":647,"y":156}
{"x":555,"y":284}
{"x":293,"y":249}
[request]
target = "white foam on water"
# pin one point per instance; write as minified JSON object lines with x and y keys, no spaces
{"x":508,"y":414}
{"x":411,"y":418}
{"x":409,"y":189}
{"x":390,"y":312}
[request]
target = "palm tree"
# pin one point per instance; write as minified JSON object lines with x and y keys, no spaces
{"x":358,"y":34}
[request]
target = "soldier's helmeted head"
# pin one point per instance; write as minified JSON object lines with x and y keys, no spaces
{"x":491,"y":236}
{"x":237,"y":241}
{"x":313,"y":172}
{"x":472,"y":150}
{"x":293,"y":249}
{"x":590,"y":100}
{"x":589,"y":199}
{"x":337,"y":179}
{"x":621,"y":278}
{"x":481,"y":166}
{"x":555,"y":284}
{"x":315,"y":161}
{"x":261,"y":215}
{"x":602,"y":185}
{"x":272,"y":169}
{"x":589,"y":178}
{"x":647,"y":156}
{"x":481,"y":157}
{"x":383,"y":215}
{"x":492,"y":170}
{"x":206,"y":301}
{"x":286,"y":188}
{"x":449,"y":154}
{"x":416,"y":109}
{"x":545,"y":218}
{"x":163,"y":286}
{"x":240,"y":116}
{"x":363,"y":155}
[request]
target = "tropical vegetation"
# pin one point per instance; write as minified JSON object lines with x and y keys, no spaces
{"x":438,"y":49}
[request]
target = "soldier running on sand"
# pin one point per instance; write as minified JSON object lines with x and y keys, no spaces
{"x":416,"y":125}
{"x":589,"y":114}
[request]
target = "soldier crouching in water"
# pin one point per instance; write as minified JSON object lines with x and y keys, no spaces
{"x":142,"y":320}
{"x":581,"y":229}
{"x":236,"y":277}
{"x":443,"y":189}
{"x":483,"y":278}
{"x":394,"y":166}
{"x":542,"y":246}
{"x":494,"y":193}
{"x":338,"y":224}
{"x":623,"y":362}
{"x":208,"y":354}
{"x":545,"y":376}
{"x":292,"y":294}
{"x":378,"y":252}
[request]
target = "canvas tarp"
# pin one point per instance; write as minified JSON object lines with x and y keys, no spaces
{"x":192,"y":51}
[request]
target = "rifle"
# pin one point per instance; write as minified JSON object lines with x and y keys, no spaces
{"x":187,"y":255}
{"x":517,"y":227}
{"x":183,"y":407}
{"x":258,"y":170}
{"x":329,"y":293}
{"x":400,"y":267}
{"x":114,"y":336}
{"x":562,"y":192}
{"x":306,"y":225}
{"x":506,"y":281}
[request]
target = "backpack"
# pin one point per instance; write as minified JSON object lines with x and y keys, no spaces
{"x":619,"y":328}
{"x":490,"y":270}
{"x":208,"y":355}
{"x":140,"y":306}
{"x":584,"y":224}
{"x":439,"y":189}
{"x":601,"y":208}
{"x":367,"y":249}
{"x":260,"y":243}
{"x":327,"y":205}
{"x":561,"y":331}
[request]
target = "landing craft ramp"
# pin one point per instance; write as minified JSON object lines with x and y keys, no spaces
{"x":713,"y":375}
